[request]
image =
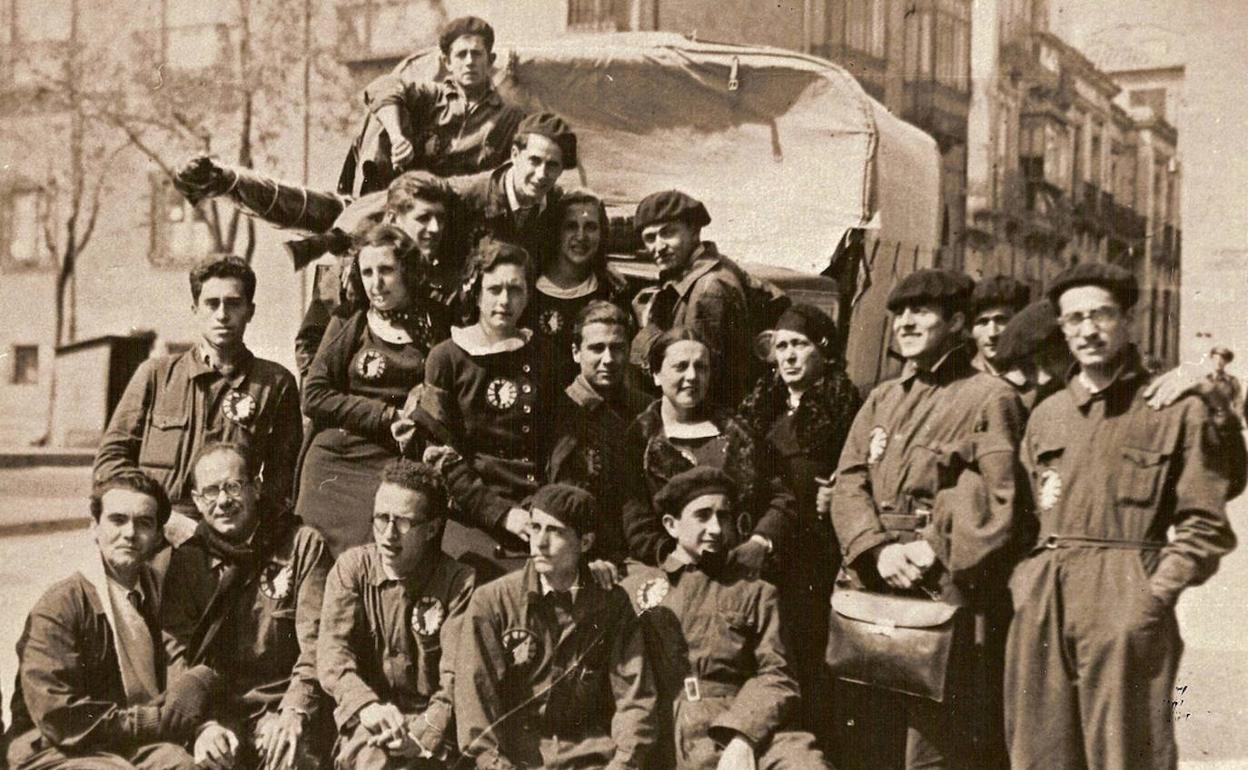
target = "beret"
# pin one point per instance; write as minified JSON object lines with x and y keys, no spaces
{"x":1224,"y":352}
{"x":999,"y":291}
{"x":555,"y":129}
{"x":1028,"y":332}
{"x":811,"y":322}
{"x":465,"y":25}
{"x":691,"y":484}
{"x":1116,"y":280}
{"x":571,"y":505}
{"x":928,"y":285}
{"x":668,"y":206}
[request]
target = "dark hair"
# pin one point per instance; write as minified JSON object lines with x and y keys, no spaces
{"x":654,"y":358}
{"x":560,"y":209}
{"x":241,"y":451}
{"x":411,"y":186}
{"x":223,"y":266}
{"x":487,"y":256}
{"x":382,"y":235}
{"x":599,"y":311}
{"x":135,"y":481}
{"x":465,"y":26}
{"x":420,"y":478}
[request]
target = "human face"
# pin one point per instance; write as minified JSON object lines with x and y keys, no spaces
{"x":685,"y":374}
{"x":1219,"y":363}
{"x":504,"y":294}
{"x":223,"y":312}
{"x":555,"y":547}
{"x":923,"y":334}
{"x":580,"y":234}
{"x":1095,"y":346}
{"x":671,"y":244}
{"x":127,"y":532}
{"x":797,"y":358}
{"x":468,"y":62}
{"x":424,"y":222}
{"x":987,"y":328}
{"x":705,"y":526}
{"x":402,"y":527}
{"x":601,"y":355}
{"x":382,"y":276}
{"x":234,"y":516}
{"x":536,"y":168}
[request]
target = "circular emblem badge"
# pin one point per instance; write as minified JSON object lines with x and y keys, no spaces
{"x":239,"y":406}
{"x":371,"y":365}
{"x":501,"y":393}
{"x":1050,"y":489}
{"x":651,"y":593}
{"x":879,"y":442}
{"x":551,"y":322}
{"x":427,"y":616}
{"x":521,"y":645}
{"x":275,"y":581}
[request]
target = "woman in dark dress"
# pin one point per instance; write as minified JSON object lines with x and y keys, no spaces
{"x":368,"y":361}
{"x":574,"y":272}
{"x":801,"y":415}
{"x":680,"y":430}
{"x":489,"y":388}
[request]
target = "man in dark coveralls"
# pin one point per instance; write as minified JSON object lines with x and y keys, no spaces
{"x":390,"y":630}
{"x":726,"y":688}
{"x":91,"y":677}
{"x":1089,"y":681}
{"x":243,"y":595}
{"x":916,"y":438}
{"x":994,"y":301}
{"x":551,"y":670}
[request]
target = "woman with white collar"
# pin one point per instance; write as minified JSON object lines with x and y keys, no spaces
{"x":574,"y":272}
{"x":489,"y":387}
{"x":357,"y":384}
{"x":679,"y":431}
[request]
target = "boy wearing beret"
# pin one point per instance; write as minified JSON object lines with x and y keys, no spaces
{"x":1130,"y":502}
{"x":698,"y":289}
{"x":724,"y":679}
{"x":551,"y":671}
{"x":457,"y":127}
{"x":924,"y":504}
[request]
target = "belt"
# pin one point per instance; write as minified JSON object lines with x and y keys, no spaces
{"x":906,"y":522}
{"x":696,"y":689}
{"x":1052,"y":542}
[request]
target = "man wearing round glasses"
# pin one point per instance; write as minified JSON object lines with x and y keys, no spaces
{"x":392,"y":609}
{"x":1087,"y":677}
{"x":243,"y":596}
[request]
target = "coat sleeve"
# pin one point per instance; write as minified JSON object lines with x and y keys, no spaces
{"x":281,"y":451}
{"x":439,"y":714}
{"x":634,"y":728}
{"x":854,"y":515}
{"x":481,"y":664}
{"x":55,"y":657}
{"x":314,"y":563}
{"x":342,"y":620}
{"x":327,"y":398}
{"x":777,"y":507}
{"x":119,"y":447}
{"x":766,"y":700}
{"x":718,"y":312}
{"x":647,"y":540}
{"x":179,"y":612}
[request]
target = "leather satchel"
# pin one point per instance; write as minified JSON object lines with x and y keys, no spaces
{"x":900,"y":643}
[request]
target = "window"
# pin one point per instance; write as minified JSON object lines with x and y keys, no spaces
{"x":25,"y":365}
{"x":1094,"y":161}
{"x":918,"y":54}
{"x":179,"y":232}
{"x":865,"y":24}
{"x":598,"y":15}
{"x":938,"y":44}
{"x":22,"y":216}
{"x":1154,"y":98}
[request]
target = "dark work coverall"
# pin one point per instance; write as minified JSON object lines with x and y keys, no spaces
{"x":909,"y":444}
{"x":721,"y":667}
{"x":1094,"y":645}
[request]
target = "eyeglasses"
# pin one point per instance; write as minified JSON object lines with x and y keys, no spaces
{"x":232,"y":489}
{"x":402,"y":524}
{"x":1101,"y":317}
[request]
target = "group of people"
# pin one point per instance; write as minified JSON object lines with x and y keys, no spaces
{"x":513,"y":517}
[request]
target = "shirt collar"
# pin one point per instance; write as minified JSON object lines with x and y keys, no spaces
{"x":952,"y":360}
{"x":583,"y":394}
{"x":547,"y":589}
{"x":452,"y":90}
{"x":473,"y":342}
{"x":1129,"y":369}
{"x":201,"y":359}
{"x":677,"y":560}
{"x":513,"y":201}
{"x":582,"y":289}
{"x":704,"y":259}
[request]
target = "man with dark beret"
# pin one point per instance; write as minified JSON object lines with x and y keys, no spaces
{"x":552,"y":671}
{"x":457,"y":127}
{"x":1129,"y":502}
{"x":726,"y":686}
{"x":994,"y":301}
{"x":1225,"y":382}
{"x":924,"y":506}
{"x":698,"y":289}
{"x":1032,"y":347}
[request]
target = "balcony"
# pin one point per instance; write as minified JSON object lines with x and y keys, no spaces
{"x":938,"y":109}
{"x":1126,"y":225}
{"x":1090,"y":213}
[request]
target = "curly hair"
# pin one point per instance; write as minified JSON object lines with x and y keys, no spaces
{"x":134,"y":481}
{"x":382,"y":235}
{"x":420,"y":478}
{"x":487,"y":256}
{"x":223,"y":266}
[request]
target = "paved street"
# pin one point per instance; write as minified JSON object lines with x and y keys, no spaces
{"x":1210,"y":717}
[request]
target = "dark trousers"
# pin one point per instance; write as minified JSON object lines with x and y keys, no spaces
{"x":157,"y":756}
